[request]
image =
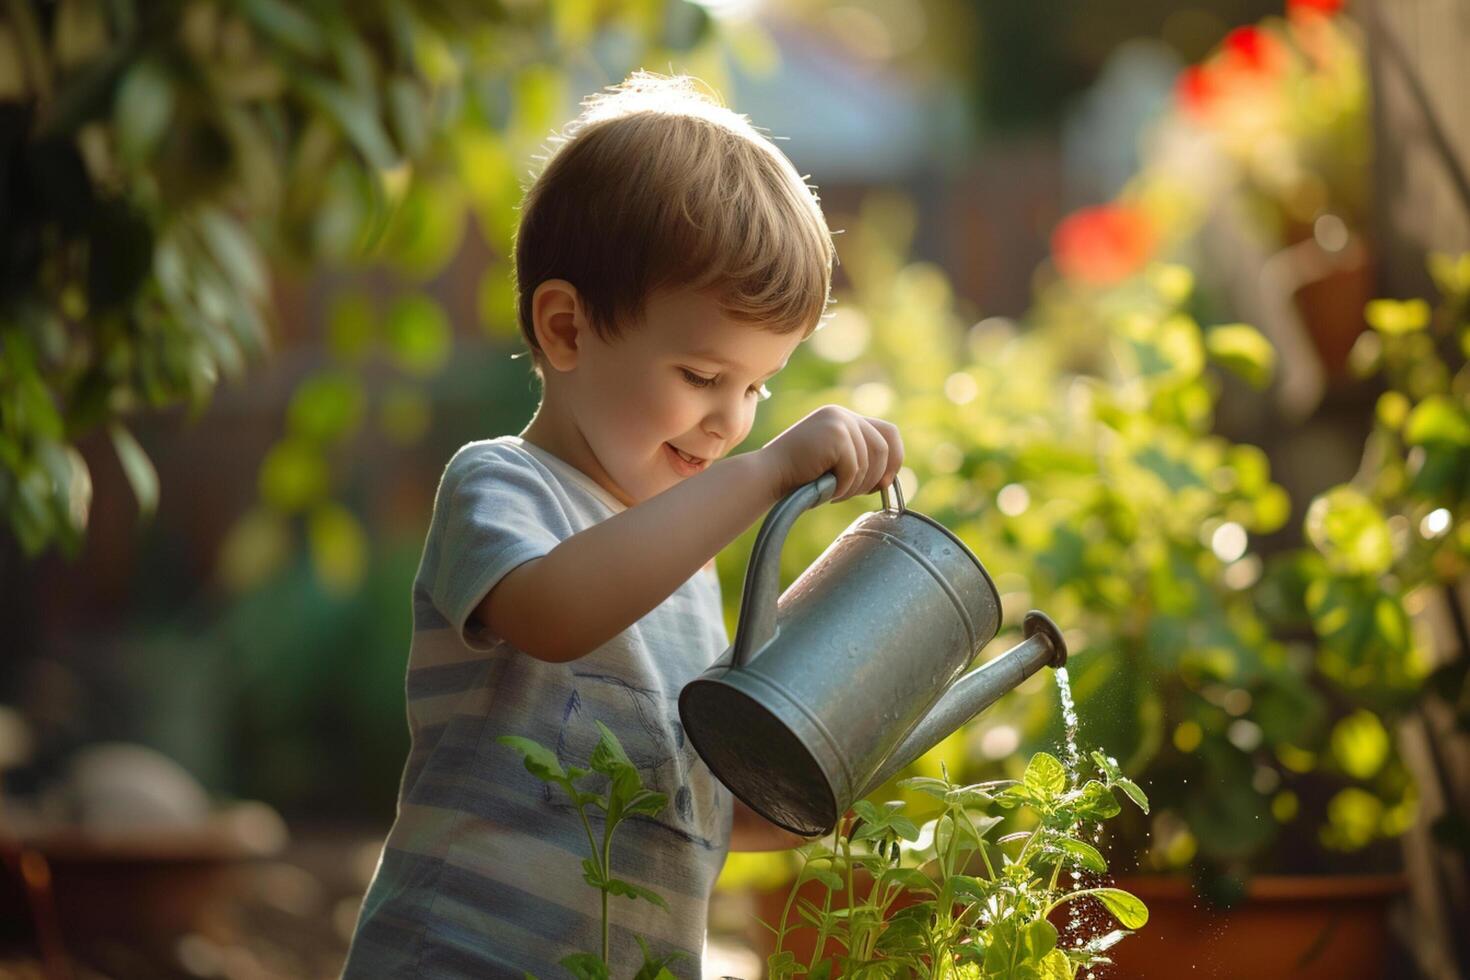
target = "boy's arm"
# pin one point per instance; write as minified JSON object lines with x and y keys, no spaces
{"x":600,"y":581}
{"x":753,"y":832}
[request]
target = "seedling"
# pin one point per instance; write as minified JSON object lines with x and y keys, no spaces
{"x":983,"y":926}
{"x":624,"y":797}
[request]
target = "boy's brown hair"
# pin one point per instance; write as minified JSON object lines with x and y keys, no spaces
{"x":659,"y":185}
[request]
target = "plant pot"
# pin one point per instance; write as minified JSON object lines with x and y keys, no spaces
{"x":70,"y":889}
{"x":1304,"y":927}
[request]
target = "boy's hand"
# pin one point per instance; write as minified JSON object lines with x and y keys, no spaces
{"x":865,"y":452}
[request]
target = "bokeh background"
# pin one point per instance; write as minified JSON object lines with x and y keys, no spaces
{"x":1168,"y":299}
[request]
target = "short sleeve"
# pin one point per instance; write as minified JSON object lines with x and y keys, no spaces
{"x":494,"y":511}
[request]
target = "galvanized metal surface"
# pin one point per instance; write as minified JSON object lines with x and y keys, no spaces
{"x":832,"y":685}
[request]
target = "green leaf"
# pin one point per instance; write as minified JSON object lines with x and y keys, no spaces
{"x":1244,"y":350}
{"x":339,"y":547}
{"x":1354,"y":817}
{"x":1350,"y":531}
{"x":417,"y":335}
{"x":1045,"y":776}
{"x":646,"y":802}
{"x":427,"y":227}
{"x":1394,"y":318}
{"x":969,"y":888}
{"x":286,"y":25}
{"x":903,"y":827}
{"x":609,"y":759}
{"x":656,"y":967}
{"x":138,"y":468}
{"x":903,"y":935}
{"x":541,"y":762}
{"x":1127,"y":908}
{"x":1095,"y":802}
{"x":1438,"y":419}
{"x":1055,"y":966}
{"x":592,"y":874}
{"x":1085,"y":854}
{"x":353,"y":114}
{"x":293,"y":475}
{"x":585,"y":966}
{"x":1451,"y":273}
{"x":782,"y":965}
{"x":1135,"y":794}
{"x":826,"y":876}
{"x":1040,"y":938}
{"x":617,"y":886}
{"x":409,"y":112}
{"x":968,"y":796}
{"x":927,"y":785}
{"x":327,"y":407}
{"x":1106,"y":765}
{"x":1360,"y":744}
{"x":70,"y":484}
{"x":812,"y":914}
{"x":350,"y":326}
{"x":145,"y":104}
{"x":235,"y":253}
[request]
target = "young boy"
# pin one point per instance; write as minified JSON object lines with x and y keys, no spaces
{"x":669,"y":259}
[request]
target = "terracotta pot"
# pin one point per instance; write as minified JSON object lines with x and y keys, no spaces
{"x":78,"y":890}
{"x":1302,"y":927}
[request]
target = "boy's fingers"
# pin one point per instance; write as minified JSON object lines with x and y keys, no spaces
{"x":893,"y":451}
{"x":877,"y":459}
{"x":860,"y":458}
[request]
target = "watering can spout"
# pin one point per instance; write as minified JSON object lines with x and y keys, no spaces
{"x":976,"y":691}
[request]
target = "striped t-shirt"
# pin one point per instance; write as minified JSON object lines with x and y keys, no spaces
{"x":481,"y":873}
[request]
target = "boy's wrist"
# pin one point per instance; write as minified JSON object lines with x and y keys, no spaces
{"x":764,"y":472}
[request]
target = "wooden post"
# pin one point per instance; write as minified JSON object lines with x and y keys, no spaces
{"x":1419,"y":67}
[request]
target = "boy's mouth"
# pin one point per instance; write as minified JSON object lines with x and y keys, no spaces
{"x":683,"y":462}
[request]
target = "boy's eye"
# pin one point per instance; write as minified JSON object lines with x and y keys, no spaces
{"x":697,"y":380}
{"x":700,"y":381}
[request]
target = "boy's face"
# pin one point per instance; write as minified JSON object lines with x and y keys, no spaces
{"x":686,"y":377}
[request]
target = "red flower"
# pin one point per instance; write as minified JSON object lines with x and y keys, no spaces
{"x":1253,"y":51}
{"x":1196,"y":91}
{"x":1102,"y":245}
{"x":1325,"y":7}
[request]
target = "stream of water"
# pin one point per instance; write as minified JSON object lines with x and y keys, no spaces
{"x":1072,"y":761}
{"x":1069,"y":717}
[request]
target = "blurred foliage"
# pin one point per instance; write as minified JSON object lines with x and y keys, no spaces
{"x":1389,"y":550}
{"x":1074,"y":454}
{"x":153,"y":155}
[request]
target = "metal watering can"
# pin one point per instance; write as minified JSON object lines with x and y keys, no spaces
{"x":854,"y":671}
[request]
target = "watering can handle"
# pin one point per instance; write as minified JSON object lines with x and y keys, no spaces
{"x":757,"y":623}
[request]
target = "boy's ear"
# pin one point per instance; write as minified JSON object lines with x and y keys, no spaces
{"x":559,"y":322}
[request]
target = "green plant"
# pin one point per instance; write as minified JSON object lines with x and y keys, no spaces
{"x":1381,"y":549}
{"x":960,"y":921}
{"x":624,"y":797}
{"x":149,"y":148}
{"x":162,"y":160}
